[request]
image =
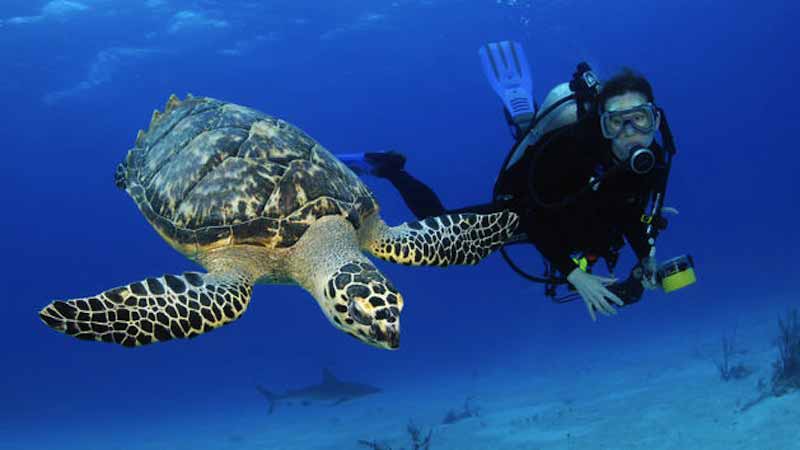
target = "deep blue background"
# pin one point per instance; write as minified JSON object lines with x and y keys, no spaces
{"x":357,"y":76}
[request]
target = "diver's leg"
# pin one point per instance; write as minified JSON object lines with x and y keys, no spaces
{"x":373,"y":163}
{"x":418,"y":196}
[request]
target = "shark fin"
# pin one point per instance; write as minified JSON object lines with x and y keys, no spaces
{"x":271,"y":398}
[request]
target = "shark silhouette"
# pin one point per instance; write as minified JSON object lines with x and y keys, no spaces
{"x":331,"y":390}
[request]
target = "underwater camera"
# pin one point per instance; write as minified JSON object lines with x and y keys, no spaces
{"x":671,"y":275}
{"x":676,"y":273}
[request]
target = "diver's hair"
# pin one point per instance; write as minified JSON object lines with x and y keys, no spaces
{"x":627,"y":80}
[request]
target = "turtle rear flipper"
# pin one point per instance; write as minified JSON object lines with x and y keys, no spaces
{"x":153,"y":310}
{"x":444,"y":240}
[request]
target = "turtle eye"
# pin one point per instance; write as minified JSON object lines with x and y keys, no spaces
{"x":358,"y":314}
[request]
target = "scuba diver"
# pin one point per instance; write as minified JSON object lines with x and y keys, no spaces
{"x":584,"y":167}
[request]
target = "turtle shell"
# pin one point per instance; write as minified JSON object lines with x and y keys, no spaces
{"x":209,"y":173}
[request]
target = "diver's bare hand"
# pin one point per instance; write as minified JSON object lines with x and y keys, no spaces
{"x":649,"y":267}
{"x":592,"y":289}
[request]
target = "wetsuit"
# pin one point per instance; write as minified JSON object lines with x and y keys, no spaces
{"x":562,"y":214}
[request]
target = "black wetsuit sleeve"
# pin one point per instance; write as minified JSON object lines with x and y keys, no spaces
{"x":418,"y":196}
{"x":635,"y":231}
{"x":423,"y":201}
{"x":638,"y":241}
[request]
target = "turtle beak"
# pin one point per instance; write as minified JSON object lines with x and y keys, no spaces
{"x":386,"y":335}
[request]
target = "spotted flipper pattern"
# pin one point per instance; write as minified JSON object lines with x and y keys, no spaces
{"x":462,"y":239}
{"x":153,"y":310}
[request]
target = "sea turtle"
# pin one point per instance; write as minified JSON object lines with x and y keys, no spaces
{"x":253,"y":199}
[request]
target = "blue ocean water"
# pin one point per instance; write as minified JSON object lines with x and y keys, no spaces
{"x":79,"y":78}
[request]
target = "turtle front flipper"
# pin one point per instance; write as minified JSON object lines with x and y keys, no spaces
{"x":153,"y":310}
{"x":442,"y":240}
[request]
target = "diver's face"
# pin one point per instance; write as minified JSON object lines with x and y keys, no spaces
{"x":629,"y":138}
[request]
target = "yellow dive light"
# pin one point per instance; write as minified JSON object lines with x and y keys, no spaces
{"x":677,"y":273}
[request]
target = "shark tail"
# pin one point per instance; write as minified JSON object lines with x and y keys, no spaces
{"x":272,"y":399}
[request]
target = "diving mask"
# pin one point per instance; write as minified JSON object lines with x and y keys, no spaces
{"x":642,"y":118}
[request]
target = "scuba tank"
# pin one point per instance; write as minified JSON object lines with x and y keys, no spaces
{"x":559,"y":109}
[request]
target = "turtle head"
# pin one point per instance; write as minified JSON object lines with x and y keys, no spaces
{"x":360,"y":301}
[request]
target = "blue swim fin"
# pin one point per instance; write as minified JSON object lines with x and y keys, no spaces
{"x":378,"y":164}
{"x":356,"y":162}
{"x":508,"y":73}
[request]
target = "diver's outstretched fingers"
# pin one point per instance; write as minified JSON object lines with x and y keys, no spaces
{"x":601,"y":305}
{"x":605,"y":281}
{"x":614,"y":298}
{"x":591,"y":311}
{"x":607,"y":306}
